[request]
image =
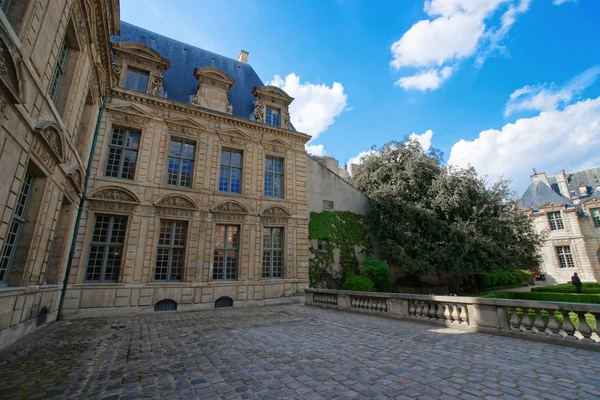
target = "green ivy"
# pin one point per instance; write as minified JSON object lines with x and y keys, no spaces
{"x":343,"y":230}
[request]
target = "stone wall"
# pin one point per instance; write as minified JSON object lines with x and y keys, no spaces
{"x":149,"y":199}
{"x":41,"y":137}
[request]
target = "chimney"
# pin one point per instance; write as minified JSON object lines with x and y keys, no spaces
{"x":540,"y":176}
{"x":582,"y":189}
{"x":561,"y":180}
{"x":243,"y":56}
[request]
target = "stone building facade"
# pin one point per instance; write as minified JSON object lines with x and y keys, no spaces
{"x":566,"y":207}
{"x":54,"y":69}
{"x":197,"y":195}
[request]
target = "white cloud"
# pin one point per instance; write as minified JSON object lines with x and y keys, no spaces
{"x":550,"y":97}
{"x":551,"y":141}
{"x":426,"y":80}
{"x":358,"y":159}
{"x":315,"y":107}
{"x":559,"y":2}
{"x":424,"y":139}
{"x":317,"y":150}
{"x":456,"y":30}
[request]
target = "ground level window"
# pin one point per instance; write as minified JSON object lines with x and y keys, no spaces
{"x":565,"y":257}
{"x":272,"y":253}
{"x":170,"y":255}
{"x":106,"y":249}
{"x":166,"y":305}
{"x":223,"y":302}
{"x":226,"y":253}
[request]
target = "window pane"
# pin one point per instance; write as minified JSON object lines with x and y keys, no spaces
{"x":164,"y":237}
{"x":236,"y":178}
{"x":220,"y":236}
{"x":162,"y":265}
{"x":118,"y":138}
{"x":225,"y":157}
{"x":278,"y":238}
{"x":224,"y":179}
{"x":133,"y":140}
{"x":142,"y":84}
{"x":268,"y":184}
{"x":267,"y":238}
{"x":113,"y":264}
{"x":231,"y":258}
{"x":269,"y":164}
{"x":175,"y":149}
{"x":172,"y":171}
{"x":101,"y":229}
{"x":106,"y":251}
{"x":94,"y":268}
{"x":187,"y":167}
{"x":236,"y":159}
{"x":232,"y":237}
{"x":177,"y":263}
{"x":278,"y":166}
{"x":189,"y":150}
{"x":112,"y":164}
{"x":129,"y":160}
{"x":218,"y":264}
{"x":277,"y":184}
{"x":118,"y":230}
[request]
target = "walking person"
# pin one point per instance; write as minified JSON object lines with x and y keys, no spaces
{"x":577,"y":282}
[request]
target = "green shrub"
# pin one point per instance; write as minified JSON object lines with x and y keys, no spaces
{"x":588,"y":288}
{"x":564,"y":297}
{"x":525,"y":275}
{"x":498,"y":278}
{"x":359,"y":284}
{"x":378,"y":272}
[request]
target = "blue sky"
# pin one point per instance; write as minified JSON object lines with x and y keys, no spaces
{"x":503,"y":85}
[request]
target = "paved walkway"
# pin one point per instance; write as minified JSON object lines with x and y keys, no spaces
{"x":286,"y":352}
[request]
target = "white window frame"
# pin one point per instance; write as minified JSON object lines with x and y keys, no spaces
{"x":556,"y":221}
{"x":565,"y":257}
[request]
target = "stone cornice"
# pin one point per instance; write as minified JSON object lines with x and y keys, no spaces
{"x":207,"y":114}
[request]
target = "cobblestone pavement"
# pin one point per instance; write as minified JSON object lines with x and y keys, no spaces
{"x":286,"y":352}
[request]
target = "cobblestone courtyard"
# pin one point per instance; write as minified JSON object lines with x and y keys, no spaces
{"x":286,"y":352}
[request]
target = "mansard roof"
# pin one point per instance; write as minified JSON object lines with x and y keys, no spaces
{"x":179,"y":82}
{"x":539,"y":194}
{"x":590,"y":177}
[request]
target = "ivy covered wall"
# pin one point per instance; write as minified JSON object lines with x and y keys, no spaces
{"x":347,"y":241}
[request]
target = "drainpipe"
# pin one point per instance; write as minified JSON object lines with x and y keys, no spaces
{"x":79,"y":211}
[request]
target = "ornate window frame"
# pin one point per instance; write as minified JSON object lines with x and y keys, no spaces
{"x":272,"y":97}
{"x":142,"y":57}
{"x":212,"y":77}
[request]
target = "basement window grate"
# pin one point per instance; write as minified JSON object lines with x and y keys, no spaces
{"x":166,"y":305}
{"x":42,"y":316}
{"x":223,"y":302}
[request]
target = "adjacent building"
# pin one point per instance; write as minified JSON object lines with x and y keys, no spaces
{"x":566,"y":207}
{"x":55,"y":63}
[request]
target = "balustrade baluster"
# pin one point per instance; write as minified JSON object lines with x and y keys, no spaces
{"x":526,"y":322}
{"x":447,"y":314}
{"x":553,"y":327}
{"x":440,"y":311}
{"x":568,"y":327}
{"x":432,"y":312}
{"x":454,"y":313}
{"x":584,"y":328}
{"x":539,"y":325}
{"x":417,"y":308}
{"x":515,"y":322}
{"x":464,"y":318}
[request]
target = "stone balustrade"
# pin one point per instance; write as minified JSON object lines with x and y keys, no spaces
{"x":564,"y":323}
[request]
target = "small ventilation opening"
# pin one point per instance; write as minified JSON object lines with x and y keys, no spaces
{"x":222,"y":302}
{"x":166,"y":305}
{"x":41,"y":317}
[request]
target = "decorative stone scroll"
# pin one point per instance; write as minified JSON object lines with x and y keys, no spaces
{"x":10,"y":69}
{"x":177,"y":205}
{"x":113,"y":199}
{"x":77,"y":177}
{"x":129,"y":114}
{"x":185,"y":126}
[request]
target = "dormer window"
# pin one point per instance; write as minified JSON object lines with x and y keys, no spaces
{"x":272,"y":117}
{"x":137,"y":80}
{"x":272,"y":106}
{"x":139,"y":67}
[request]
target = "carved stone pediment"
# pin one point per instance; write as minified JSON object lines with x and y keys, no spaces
{"x":176,"y":201}
{"x":129,"y":114}
{"x":116,"y":194}
{"x":139,"y":50}
{"x":276,"y":145}
{"x":272,"y":93}
{"x":214,"y":77}
{"x":51,"y":134}
{"x":230,"y":207}
{"x":185,"y":126}
{"x":552,"y":207}
{"x":113,"y":198}
{"x":10,"y":69}
{"x":77,"y":176}
{"x":275,"y":211}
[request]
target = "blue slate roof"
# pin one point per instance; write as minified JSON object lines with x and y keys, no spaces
{"x":590,"y":177}
{"x":179,"y":82}
{"x":539,"y":194}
